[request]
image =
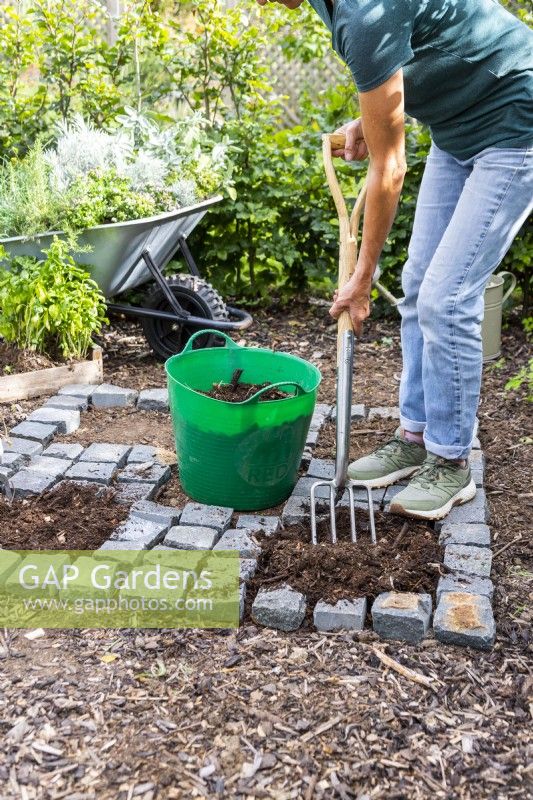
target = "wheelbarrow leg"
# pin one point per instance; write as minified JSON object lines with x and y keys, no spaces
{"x":188,"y":256}
{"x":163,"y":285}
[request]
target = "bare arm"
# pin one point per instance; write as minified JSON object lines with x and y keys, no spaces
{"x":383,"y":135}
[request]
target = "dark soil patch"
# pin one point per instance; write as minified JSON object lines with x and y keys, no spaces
{"x":406,"y":558}
{"x":124,"y":426}
{"x":13,"y":360}
{"x":69,"y":517}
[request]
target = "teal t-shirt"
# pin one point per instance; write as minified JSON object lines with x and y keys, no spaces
{"x":467,"y":65}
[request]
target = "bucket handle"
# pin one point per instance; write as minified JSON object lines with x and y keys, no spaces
{"x":504,"y":274}
{"x":255,"y":397}
{"x":228,"y":341}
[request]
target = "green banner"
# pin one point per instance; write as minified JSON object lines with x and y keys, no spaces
{"x":119,"y":589}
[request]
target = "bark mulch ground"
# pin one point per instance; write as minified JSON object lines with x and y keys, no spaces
{"x":67,"y":518}
{"x":116,"y":715}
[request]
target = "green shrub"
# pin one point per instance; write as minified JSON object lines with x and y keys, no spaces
{"x":56,"y":61}
{"x":50,"y":306}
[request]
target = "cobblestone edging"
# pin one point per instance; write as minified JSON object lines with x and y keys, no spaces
{"x":463,"y":615}
{"x":34,"y":463}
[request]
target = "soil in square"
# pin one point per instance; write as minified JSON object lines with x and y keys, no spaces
{"x":70,"y":517}
{"x":406,"y":558}
{"x":124,"y":426}
{"x":172,"y":493}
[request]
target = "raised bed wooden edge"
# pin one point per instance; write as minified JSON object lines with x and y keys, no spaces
{"x":24,"y":385}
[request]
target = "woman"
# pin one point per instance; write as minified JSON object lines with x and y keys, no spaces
{"x":465,"y":69}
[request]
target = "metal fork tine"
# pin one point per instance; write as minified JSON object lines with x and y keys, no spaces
{"x":332,"y":492}
{"x":353,"y":529}
{"x":313,"y":512}
{"x":371,"y":514}
{"x":314,"y":487}
{"x":332,"y":515}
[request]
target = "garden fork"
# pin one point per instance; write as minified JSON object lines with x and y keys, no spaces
{"x":348,"y":229}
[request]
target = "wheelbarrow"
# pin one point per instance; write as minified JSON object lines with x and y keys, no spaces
{"x":127,"y":255}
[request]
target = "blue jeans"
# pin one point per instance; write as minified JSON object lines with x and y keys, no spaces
{"x":467,"y":215}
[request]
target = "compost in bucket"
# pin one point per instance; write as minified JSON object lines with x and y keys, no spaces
{"x":237,"y":392}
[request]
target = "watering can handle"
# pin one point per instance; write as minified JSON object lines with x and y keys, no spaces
{"x":255,"y":397}
{"x":504,"y":274}
{"x":228,"y":340}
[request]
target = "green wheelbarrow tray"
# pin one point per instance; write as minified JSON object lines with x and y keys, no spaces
{"x":243,"y":455}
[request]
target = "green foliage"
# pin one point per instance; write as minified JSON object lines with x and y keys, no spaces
{"x":92,"y":177}
{"x":527,"y":324}
{"x":215,"y":60}
{"x":166,"y":60}
{"x":27,"y":205}
{"x":56,"y":61}
{"x":524,"y":378}
{"x":50,"y":306}
{"x":22,"y":96}
{"x":100,"y":198}
{"x":314,"y":45}
{"x":74,"y":58}
{"x":30,"y":203}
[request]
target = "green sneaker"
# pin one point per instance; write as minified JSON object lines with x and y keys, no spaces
{"x":438,"y":485}
{"x":391,"y":462}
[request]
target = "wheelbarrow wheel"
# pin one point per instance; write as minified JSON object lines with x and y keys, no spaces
{"x":195,"y":296}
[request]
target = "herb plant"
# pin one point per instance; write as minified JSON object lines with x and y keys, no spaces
{"x":28,"y":205}
{"x":50,"y":306}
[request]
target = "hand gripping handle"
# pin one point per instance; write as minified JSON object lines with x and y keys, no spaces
{"x":348,"y":225}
